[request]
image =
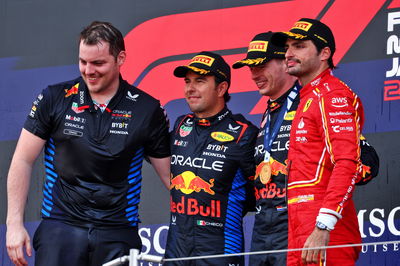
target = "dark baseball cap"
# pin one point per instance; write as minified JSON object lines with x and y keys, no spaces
{"x":206,"y":63}
{"x":260,"y":51}
{"x":307,"y":29}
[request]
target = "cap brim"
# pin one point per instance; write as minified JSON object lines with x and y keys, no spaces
{"x":279,"y":38}
{"x":181,"y":71}
{"x":249,"y":62}
{"x":239,"y":64}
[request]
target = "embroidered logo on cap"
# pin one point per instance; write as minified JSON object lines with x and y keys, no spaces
{"x":203,"y":59}
{"x":302,"y":25}
{"x":258,"y":46}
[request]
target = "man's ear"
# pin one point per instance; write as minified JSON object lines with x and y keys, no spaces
{"x":121,"y":58}
{"x":222,"y":88}
{"x":325,"y":53}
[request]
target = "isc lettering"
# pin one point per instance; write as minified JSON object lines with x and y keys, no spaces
{"x":378,"y":224}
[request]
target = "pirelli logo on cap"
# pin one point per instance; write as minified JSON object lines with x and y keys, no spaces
{"x":202,"y":59}
{"x":302,"y":25}
{"x":258,"y":46}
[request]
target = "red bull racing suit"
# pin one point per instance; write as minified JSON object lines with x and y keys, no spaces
{"x":93,"y":159}
{"x":270,"y":224}
{"x":324,"y":160}
{"x":211,"y":166}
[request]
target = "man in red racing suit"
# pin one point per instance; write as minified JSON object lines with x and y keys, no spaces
{"x":324,"y":154}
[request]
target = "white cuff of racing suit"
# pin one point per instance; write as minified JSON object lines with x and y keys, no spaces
{"x":328,"y":218}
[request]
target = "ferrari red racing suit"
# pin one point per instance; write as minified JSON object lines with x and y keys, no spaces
{"x":324,"y":162}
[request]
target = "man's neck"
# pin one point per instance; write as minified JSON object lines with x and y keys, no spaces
{"x":305,"y":79}
{"x":106,"y":95}
{"x":210,"y":113}
{"x":287,"y":85}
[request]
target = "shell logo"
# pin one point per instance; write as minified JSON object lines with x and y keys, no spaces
{"x":222,"y":136}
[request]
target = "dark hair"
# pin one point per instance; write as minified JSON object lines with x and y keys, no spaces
{"x":218,"y":81}
{"x":330,"y":59}
{"x":99,"y":31}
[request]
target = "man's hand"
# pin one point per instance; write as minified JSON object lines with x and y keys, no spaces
{"x":318,"y":238}
{"x":16,"y":239}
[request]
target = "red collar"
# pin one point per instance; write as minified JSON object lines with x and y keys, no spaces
{"x":309,"y":87}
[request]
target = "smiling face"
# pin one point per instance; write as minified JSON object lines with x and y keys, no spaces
{"x":271,"y":78}
{"x":204,"y":97}
{"x":100,"y":69}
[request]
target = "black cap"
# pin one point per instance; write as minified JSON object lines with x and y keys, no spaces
{"x":307,"y":29}
{"x":206,"y":63}
{"x":260,"y":51}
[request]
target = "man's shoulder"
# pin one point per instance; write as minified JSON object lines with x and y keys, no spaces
{"x":333,"y":85}
{"x":135,"y":94}
{"x":185,"y":123}
{"x":66,"y":84}
{"x":241,"y":120}
{"x":238,"y":121}
{"x":63,"y":89}
{"x":186,"y":118}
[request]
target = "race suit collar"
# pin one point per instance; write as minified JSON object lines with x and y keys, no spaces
{"x":315,"y":82}
{"x":274,"y":105}
{"x":213,"y":120}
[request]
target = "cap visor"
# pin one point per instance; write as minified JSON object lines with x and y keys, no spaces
{"x":181,"y":71}
{"x":239,"y":64}
{"x":279,"y":38}
{"x":250,"y":62}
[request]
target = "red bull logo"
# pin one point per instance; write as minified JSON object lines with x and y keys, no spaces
{"x":121,"y":115}
{"x":270,"y":191}
{"x":187,"y":182}
{"x":193,"y":207}
{"x":204,"y":122}
{"x":276,"y":168}
{"x":365,"y":173}
{"x":73,"y":90}
{"x":365,"y":170}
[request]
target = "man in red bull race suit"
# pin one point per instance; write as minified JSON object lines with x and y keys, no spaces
{"x":324,"y":155}
{"x":268,"y":70}
{"x":211,"y":168}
